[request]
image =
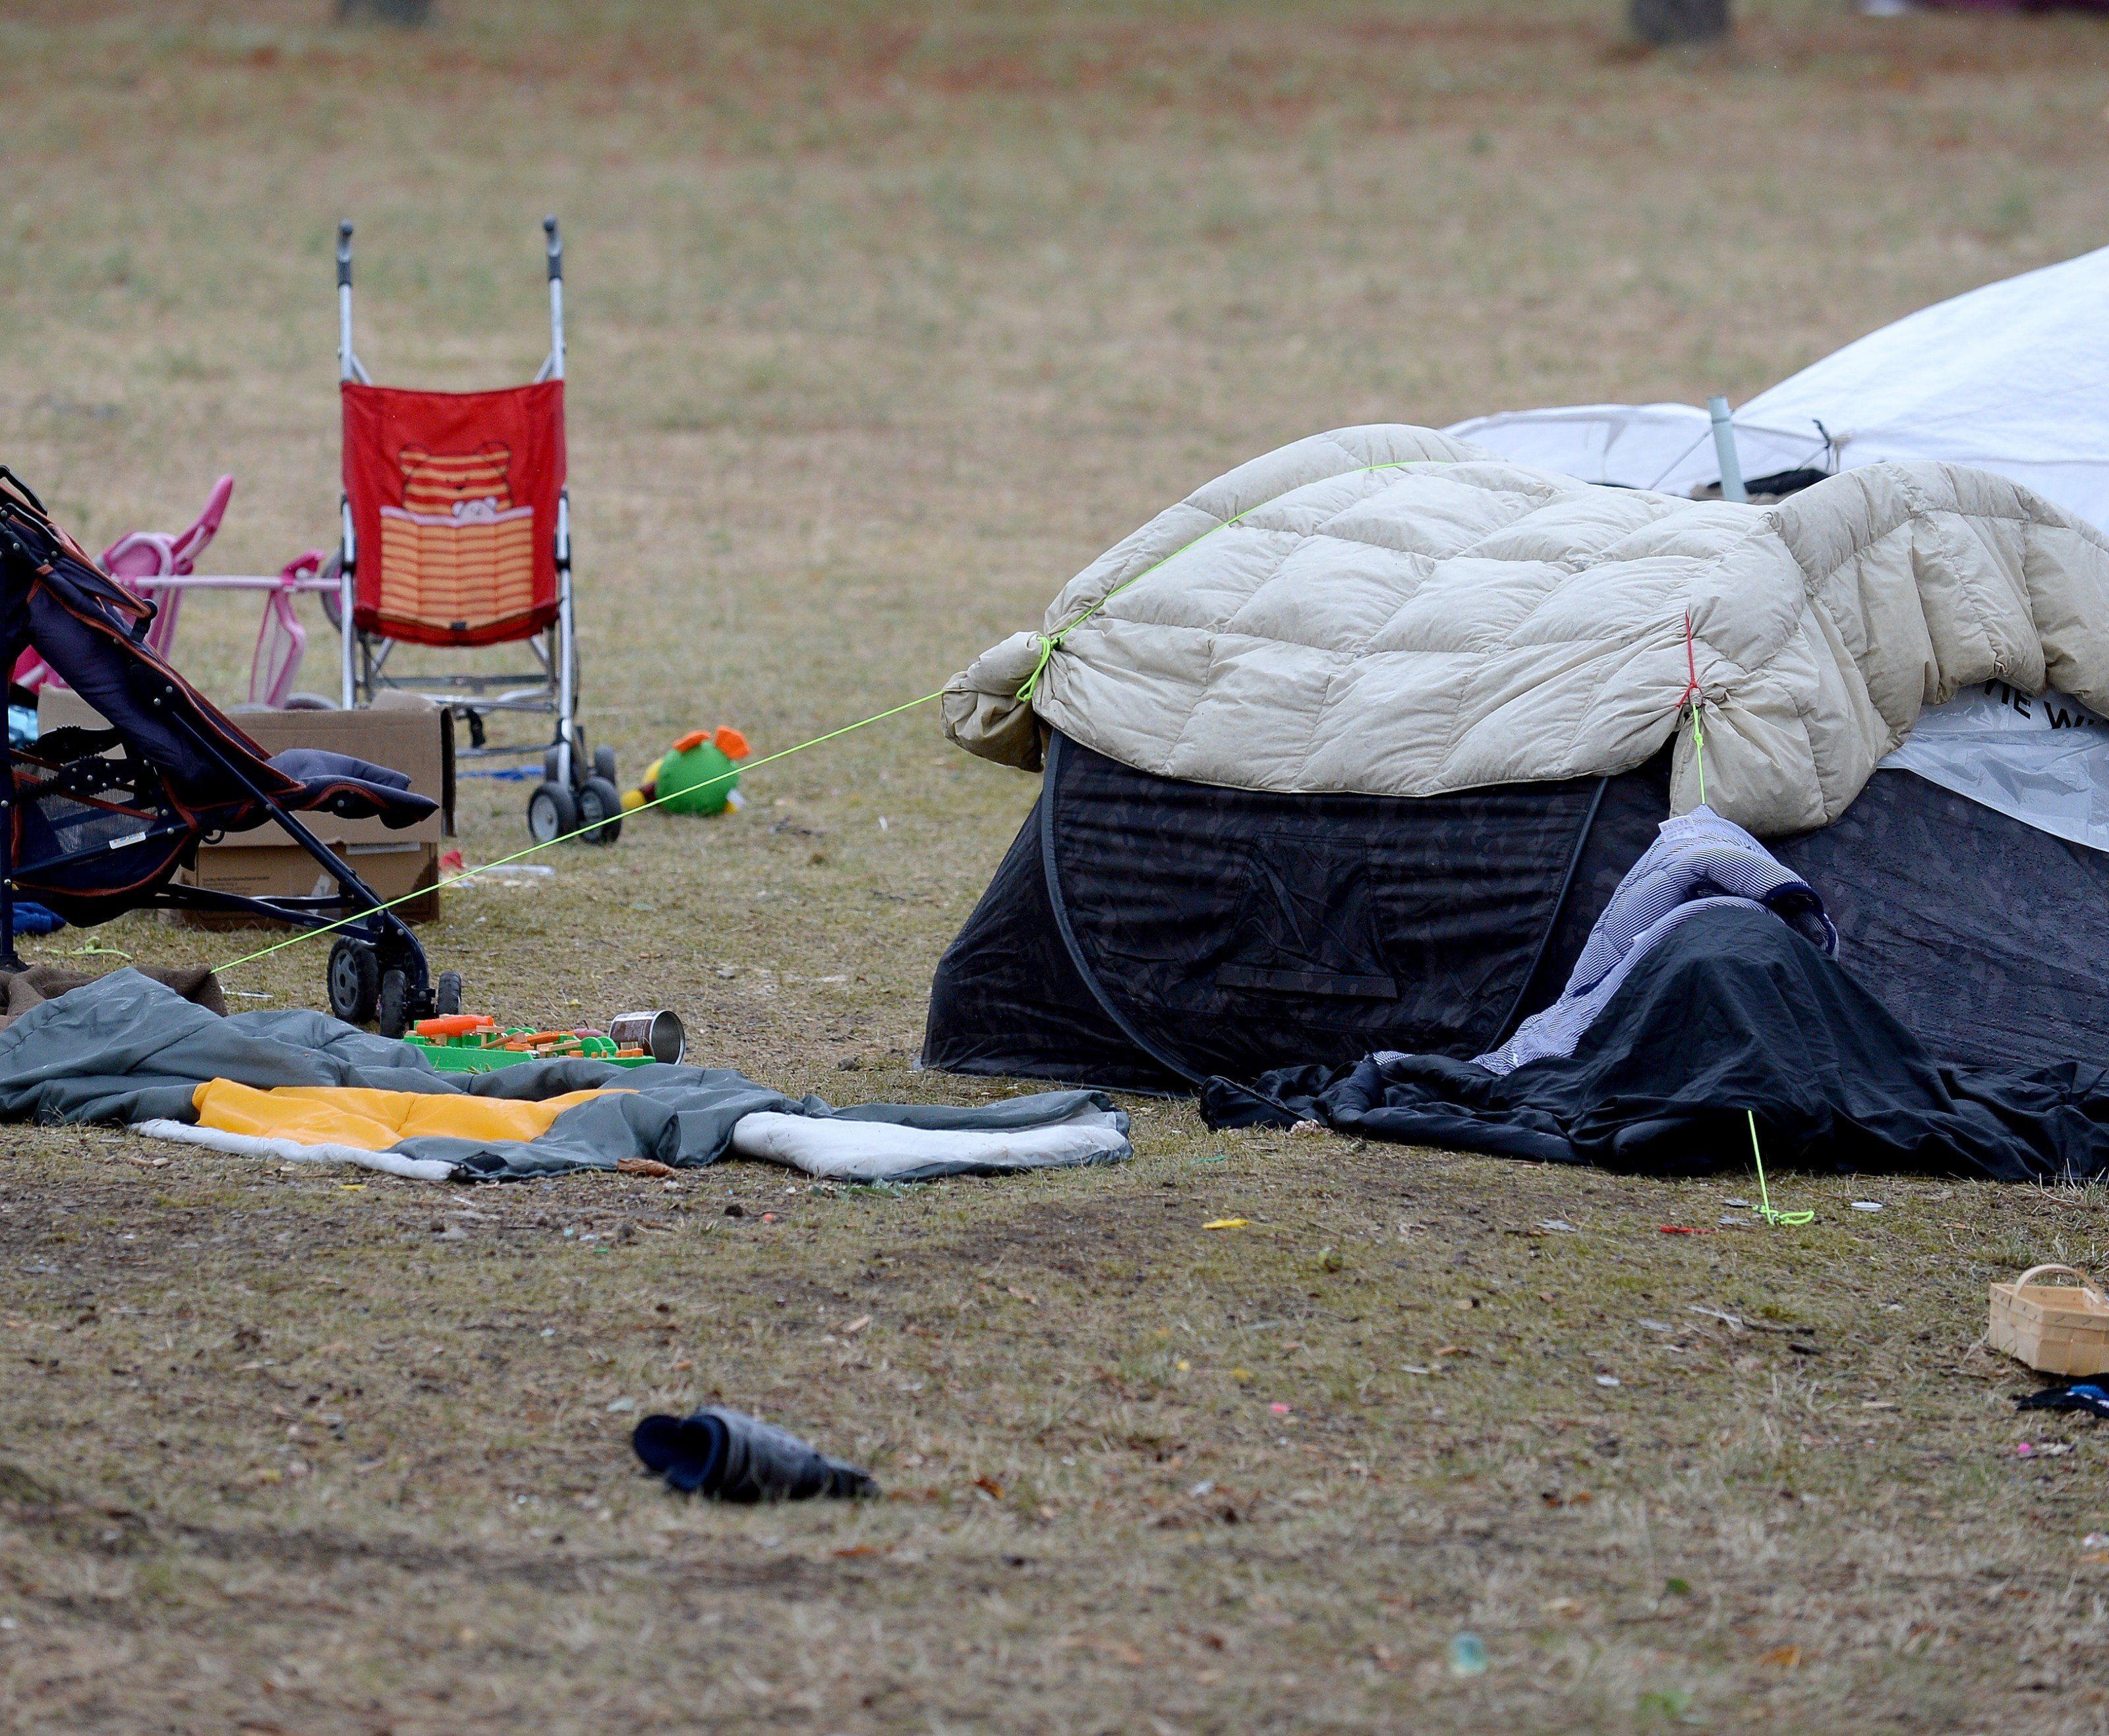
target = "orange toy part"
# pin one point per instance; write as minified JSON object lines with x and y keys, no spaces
{"x":726,"y":739}
{"x":456,"y":1024}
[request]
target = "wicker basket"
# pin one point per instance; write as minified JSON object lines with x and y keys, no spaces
{"x":2055,"y":1328}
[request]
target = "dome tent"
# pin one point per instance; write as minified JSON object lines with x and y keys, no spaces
{"x":1346,"y":752}
{"x":2011,"y":377}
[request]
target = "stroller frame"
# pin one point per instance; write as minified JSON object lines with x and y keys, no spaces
{"x":376,"y":926}
{"x":552,"y":690}
{"x":376,"y":963}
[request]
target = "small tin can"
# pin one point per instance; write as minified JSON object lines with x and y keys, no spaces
{"x":659,"y":1034}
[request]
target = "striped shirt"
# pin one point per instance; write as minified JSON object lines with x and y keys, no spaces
{"x":1700,"y":860}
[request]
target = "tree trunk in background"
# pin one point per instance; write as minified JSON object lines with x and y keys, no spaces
{"x":411,"y":12}
{"x":1664,"y":22}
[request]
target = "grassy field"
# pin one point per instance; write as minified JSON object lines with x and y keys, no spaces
{"x":886,"y":319}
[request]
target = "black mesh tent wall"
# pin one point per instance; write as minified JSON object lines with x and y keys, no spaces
{"x":1147,"y":932}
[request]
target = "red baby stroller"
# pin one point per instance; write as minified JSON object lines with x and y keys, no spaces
{"x":457,"y":532}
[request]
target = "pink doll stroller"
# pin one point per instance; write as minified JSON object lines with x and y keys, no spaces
{"x":159,"y":568}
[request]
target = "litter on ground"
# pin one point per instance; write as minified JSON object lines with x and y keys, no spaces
{"x":1466,"y":1655}
{"x":730,"y":1456}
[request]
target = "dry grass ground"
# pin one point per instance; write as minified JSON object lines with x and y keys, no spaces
{"x":886,"y":319}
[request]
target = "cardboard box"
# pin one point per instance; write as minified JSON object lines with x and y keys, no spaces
{"x":2054,"y":1328}
{"x":403,"y":731}
{"x":390,"y":870}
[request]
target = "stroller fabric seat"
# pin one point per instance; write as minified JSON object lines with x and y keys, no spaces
{"x":352,"y":787}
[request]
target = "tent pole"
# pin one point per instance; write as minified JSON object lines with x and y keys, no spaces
{"x":1724,"y":448}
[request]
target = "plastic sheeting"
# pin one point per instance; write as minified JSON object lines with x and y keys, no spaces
{"x":2011,"y":377}
{"x":2041,"y":759}
{"x":1665,"y":446}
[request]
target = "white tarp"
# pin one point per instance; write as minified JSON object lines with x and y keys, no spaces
{"x":1640,"y":445}
{"x":2042,"y":759}
{"x":2012,"y":377}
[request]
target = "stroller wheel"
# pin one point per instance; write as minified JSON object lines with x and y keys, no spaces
{"x":447,"y":994}
{"x":355,"y":981}
{"x":551,"y":811}
{"x":600,"y":800}
{"x":392,"y":1011}
{"x":332,"y":568}
{"x":604,"y":763}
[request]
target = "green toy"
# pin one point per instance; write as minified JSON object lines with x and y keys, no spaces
{"x":469,"y":1042}
{"x":693,"y":777}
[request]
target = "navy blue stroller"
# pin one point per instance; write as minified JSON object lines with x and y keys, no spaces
{"x":96,"y":822}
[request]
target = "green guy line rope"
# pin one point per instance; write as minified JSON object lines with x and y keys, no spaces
{"x":1699,"y":751}
{"x":1764,"y":1198}
{"x":1692,"y":692}
{"x":294,"y":940}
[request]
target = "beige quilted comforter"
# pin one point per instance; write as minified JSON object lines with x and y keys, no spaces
{"x":1387,"y":610}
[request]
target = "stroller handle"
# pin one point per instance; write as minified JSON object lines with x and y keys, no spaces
{"x":556,"y":250}
{"x":343,"y":254}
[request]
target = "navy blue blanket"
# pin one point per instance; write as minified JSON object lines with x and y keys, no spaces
{"x":1730,"y":1012}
